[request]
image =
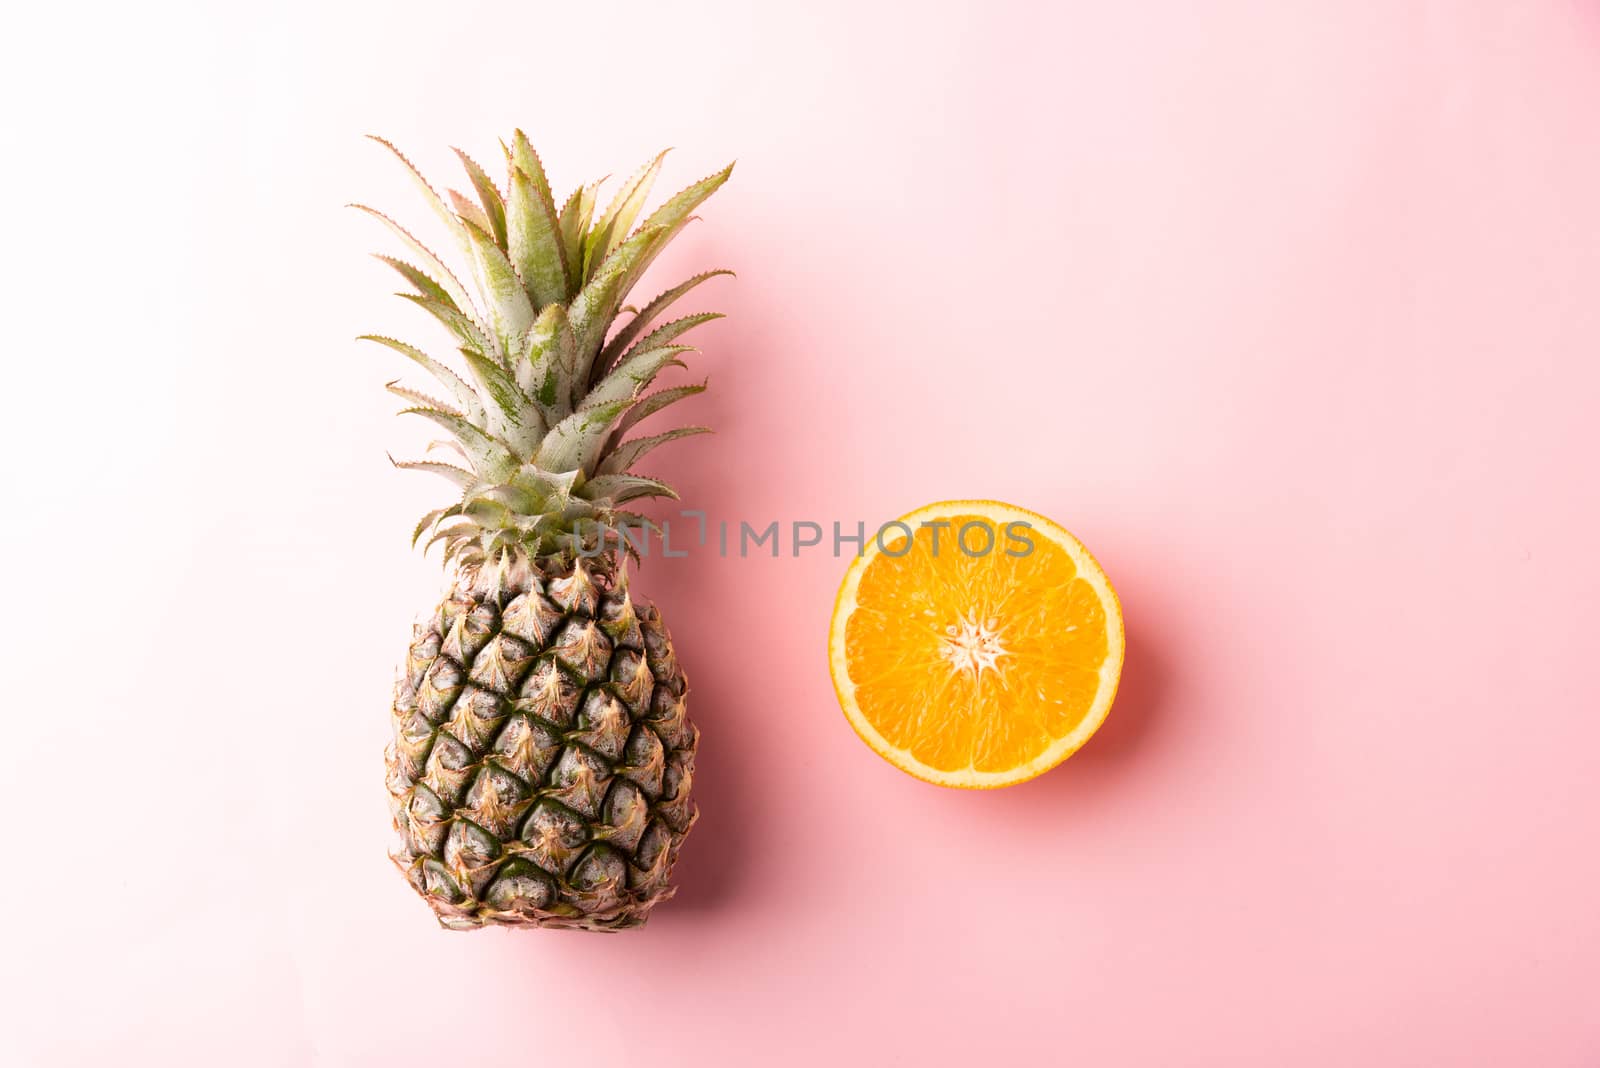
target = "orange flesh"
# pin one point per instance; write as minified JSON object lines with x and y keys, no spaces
{"x":910,"y":643}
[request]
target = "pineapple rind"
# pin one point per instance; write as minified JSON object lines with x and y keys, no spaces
{"x":542,"y":759}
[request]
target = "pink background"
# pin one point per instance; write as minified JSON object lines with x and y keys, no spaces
{"x":1287,"y":309}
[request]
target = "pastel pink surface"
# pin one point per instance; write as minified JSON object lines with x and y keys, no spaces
{"x":1288,"y":310}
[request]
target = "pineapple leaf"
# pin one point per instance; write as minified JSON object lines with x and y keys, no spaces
{"x":670,"y":331}
{"x":629,"y":452}
{"x":416,"y":396}
{"x":494,"y":206}
{"x":465,"y":328}
{"x":468,"y":209}
{"x":644,"y":317}
{"x":576,"y":215}
{"x":463,"y":530}
{"x":652,"y":403}
{"x":509,"y":308}
{"x":463,"y":478}
{"x":489,"y":458}
{"x":535,"y":243}
{"x":623,"y":488}
{"x":615,"y":225}
{"x":431,"y":520}
{"x":573,"y":443}
{"x":670,"y":218}
{"x":452,"y":222}
{"x":499,"y":506}
{"x":448,"y":445}
{"x":635,"y":373}
{"x":676,"y":210}
{"x":657,"y":337}
{"x":635,"y":519}
{"x":522,"y":157}
{"x":551,"y":489}
{"x":596,"y":304}
{"x":430,"y":261}
{"x":425,"y":285}
{"x":497,"y":383}
{"x":466,"y":399}
{"x":546,"y":372}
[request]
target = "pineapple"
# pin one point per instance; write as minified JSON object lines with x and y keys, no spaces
{"x":542,"y":755}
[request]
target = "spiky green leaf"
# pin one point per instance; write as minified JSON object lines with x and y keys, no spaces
{"x":620,"y":459}
{"x":510,"y":311}
{"x":464,"y":531}
{"x":671,"y":331}
{"x":432,"y":519}
{"x":451,"y":221}
{"x":635,"y":372}
{"x":522,"y":157}
{"x":681,"y":205}
{"x":499,"y":506}
{"x":617,"y":221}
{"x":494,"y":207}
{"x":425,"y":285}
{"x":449,"y":446}
{"x":669,"y":219}
{"x":462,"y":478}
{"x":576,"y":215}
{"x":430,"y":261}
{"x":656,"y":338}
{"x":652,"y":403}
{"x":534,"y":242}
{"x":645,"y":316}
{"x":509,"y":413}
{"x":464,"y":327}
{"x":551,"y":490}
{"x":546,"y":372}
{"x":596,"y":304}
{"x":463,"y":394}
{"x":621,"y":518}
{"x":468,"y":209}
{"x":620,"y":489}
{"x":573,"y":443}
{"x":419,"y":398}
{"x":489,"y":458}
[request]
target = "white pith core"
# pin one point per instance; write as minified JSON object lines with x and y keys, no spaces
{"x":973,"y":645}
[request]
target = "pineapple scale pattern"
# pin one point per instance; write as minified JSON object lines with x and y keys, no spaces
{"x":542,"y":756}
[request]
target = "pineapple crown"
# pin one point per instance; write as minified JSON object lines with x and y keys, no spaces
{"x":550,"y":390}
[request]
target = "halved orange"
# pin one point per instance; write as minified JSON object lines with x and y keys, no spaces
{"x":975,"y":644}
